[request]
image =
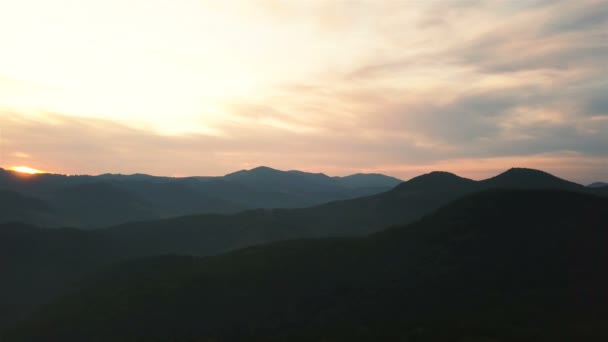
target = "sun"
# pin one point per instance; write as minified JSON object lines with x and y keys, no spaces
{"x":25,"y":169}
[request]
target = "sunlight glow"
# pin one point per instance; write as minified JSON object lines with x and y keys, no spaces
{"x":25,"y":169}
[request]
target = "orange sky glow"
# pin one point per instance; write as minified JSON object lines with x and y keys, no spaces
{"x":192,"y":87}
{"x":25,"y":169}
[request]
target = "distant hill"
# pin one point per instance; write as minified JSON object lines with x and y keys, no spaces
{"x":101,"y":203}
{"x":213,"y":234}
{"x":109,"y":199}
{"x":529,"y":179}
{"x":597,"y":185}
{"x":602,"y":191}
{"x":368,"y":180}
{"x":409,"y":201}
{"x":38,"y":264}
{"x":17,"y":207}
{"x":268,"y":179}
{"x":500,"y":265}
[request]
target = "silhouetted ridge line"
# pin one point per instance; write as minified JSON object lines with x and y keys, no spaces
{"x":434,"y":180}
{"x":126,"y":198}
{"x":512,"y":265}
{"x":530,"y":178}
{"x":212,"y":234}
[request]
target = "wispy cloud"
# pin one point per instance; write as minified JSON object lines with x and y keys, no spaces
{"x":340,"y":87}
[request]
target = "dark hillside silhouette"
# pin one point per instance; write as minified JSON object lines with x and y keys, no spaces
{"x":409,"y":201}
{"x":212,"y":234}
{"x":109,"y":199}
{"x":268,"y":179}
{"x":38,"y":264}
{"x":501,"y":265}
{"x":83,"y":203}
{"x":367,"y":180}
{"x":17,"y":207}
{"x":529,"y":179}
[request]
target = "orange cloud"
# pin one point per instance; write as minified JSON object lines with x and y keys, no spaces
{"x":385,"y":86}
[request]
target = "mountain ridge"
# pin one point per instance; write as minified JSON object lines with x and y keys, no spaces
{"x":213,"y":234}
{"x":450,"y":276}
{"x":152,"y":197}
{"x":597,"y":185}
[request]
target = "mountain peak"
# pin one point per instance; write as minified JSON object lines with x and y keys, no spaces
{"x":530,"y":178}
{"x":298,"y":172}
{"x":525,"y":171}
{"x":436,"y":180}
{"x":264,"y":178}
{"x":264,"y":168}
{"x":436,"y":176}
{"x":255,"y":170}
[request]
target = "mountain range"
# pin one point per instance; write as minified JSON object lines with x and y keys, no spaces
{"x":41,"y":264}
{"x":98,"y":201}
{"x":496,"y":265}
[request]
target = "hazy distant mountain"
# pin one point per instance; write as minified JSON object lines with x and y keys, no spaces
{"x":267,"y":179}
{"x":187,"y":195}
{"x":108,"y":199}
{"x":101,"y":204}
{"x":367,"y":180}
{"x":530,"y":179}
{"x":38,"y":264}
{"x":134,"y":177}
{"x":213,"y":233}
{"x":522,"y":265}
{"x":597,"y":185}
{"x":410,"y":201}
{"x":17,"y":207}
{"x":437,"y":181}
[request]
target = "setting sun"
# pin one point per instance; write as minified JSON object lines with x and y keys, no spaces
{"x":25,"y":169}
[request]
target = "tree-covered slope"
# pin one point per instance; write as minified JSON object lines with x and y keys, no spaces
{"x":109,"y":199}
{"x":18,"y":207}
{"x":208,"y":234}
{"x":495,"y":266}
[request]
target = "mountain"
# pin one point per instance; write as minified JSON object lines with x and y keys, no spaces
{"x":437,"y":181}
{"x":39,"y":264}
{"x":101,"y":203}
{"x":268,"y":179}
{"x":109,"y":199}
{"x":212,"y":234}
{"x":17,"y":207}
{"x":500,"y":265}
{"x":597,"y":185}
{"x":602,"y":191}
{"x":529,"y":179}
{"x":367,"y":180}
{"x":185,"y":196}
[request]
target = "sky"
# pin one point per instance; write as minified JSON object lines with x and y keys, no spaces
{"x":185,"y":87}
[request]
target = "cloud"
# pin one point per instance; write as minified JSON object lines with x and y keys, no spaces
{"x":61,"y":144}
{"x":472,"y":86}
{"x":596,"y":101}
{"x":583,"y":16}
